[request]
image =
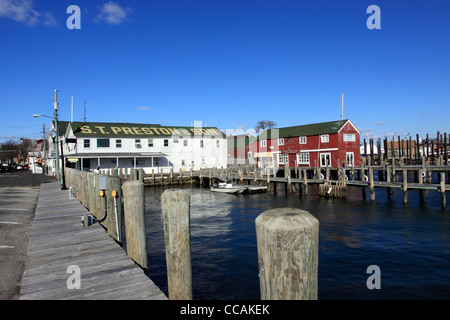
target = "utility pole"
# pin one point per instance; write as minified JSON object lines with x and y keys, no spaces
{"x":56,"y":107}
{"x":44,"y":162}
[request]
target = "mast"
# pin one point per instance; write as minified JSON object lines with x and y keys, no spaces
{"x":84,"y":110}
{"x":71,"y":109}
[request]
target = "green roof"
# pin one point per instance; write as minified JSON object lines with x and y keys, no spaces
{"x":307,"y":130}
{"x":138,"y":130}
{"x":239,"y":141}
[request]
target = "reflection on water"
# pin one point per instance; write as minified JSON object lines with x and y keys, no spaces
{"x":411,"y":245}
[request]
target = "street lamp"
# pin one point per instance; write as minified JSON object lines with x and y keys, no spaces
{"x":54,"y":136}
{"x":42,"y":115}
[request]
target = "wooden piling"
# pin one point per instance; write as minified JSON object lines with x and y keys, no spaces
{"x":175,"y":206}
{"x":288,"y":248}
{"x":443,"y":198}
{"x":305,"y":183}
{"x":421,"y":191}
{"x":134,"y":209}
{"x":405,"y":187}
{"x":371,"y":185}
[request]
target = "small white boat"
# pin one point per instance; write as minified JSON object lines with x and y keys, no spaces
{"x":224,"y":187}
{"x":252,"y":189}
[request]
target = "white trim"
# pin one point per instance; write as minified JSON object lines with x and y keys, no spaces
{"x":320,"y":159}
{"x":323,"y":136}
{"x":303,"y":162}
{"x":352,"y":126}
{"x":353,"y":158}
{"x":352,"y":135}
{"x":320,"y":150}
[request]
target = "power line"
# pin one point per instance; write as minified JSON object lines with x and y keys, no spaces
{"x":19,"y":127}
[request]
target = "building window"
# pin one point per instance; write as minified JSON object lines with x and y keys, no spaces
{"x":281,"y":141}
{"x":283,"y":158}
{"x":303,"y":158}
{"x":249,"y":154}
{"x":201,"y":144}
{"x":302,"y":140}
{"x":325,"y":159}
{"x":118,"y":143}
{"x":150,"y":143}
{"x":87,"y":143}
{"x":263,"y":143}
{"x":217,"y":143}
{"x":102,"y":143}
{"x":138,"y":143}
{"x":324,"y":138}
{"x":183,"y":162}
{"x":166,"y":142}
{"x":350,"y":158}
{"x":349,"y":137}
{"x":185,"y":142}
{"x":175,"y":139}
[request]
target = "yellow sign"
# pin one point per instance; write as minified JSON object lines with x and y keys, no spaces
{"x":263,"y":154}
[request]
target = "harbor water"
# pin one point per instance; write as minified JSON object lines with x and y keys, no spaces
{"x":410,"y":244}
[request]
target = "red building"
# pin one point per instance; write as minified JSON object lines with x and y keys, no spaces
{"x":328,"y":143}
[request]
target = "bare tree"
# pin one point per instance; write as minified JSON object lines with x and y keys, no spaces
{"x":271,"y":124}
{"x":265,"y":124}
{"x":8,"y":151}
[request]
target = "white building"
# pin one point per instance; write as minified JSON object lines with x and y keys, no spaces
{"x":92,"y":145}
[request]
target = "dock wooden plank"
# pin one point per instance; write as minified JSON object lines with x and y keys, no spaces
{"x":58,"y":240}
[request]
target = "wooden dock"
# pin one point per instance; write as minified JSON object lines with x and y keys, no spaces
{"x":59,"y":244}
{"x":332,"y":182}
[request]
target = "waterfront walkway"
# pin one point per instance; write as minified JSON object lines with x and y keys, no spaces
{"x":61,"y":248}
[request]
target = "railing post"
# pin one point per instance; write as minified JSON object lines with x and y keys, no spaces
{"x":175,"y":206}
{"x":114,"y":207}
{"x":288,"y":250}
{"x":91,"y":190}
{"x":134,"y":208}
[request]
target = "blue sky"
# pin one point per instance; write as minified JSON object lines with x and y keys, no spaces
{"x":228,"y":63}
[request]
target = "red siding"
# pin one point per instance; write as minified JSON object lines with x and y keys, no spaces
{"x":336,"y":147}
